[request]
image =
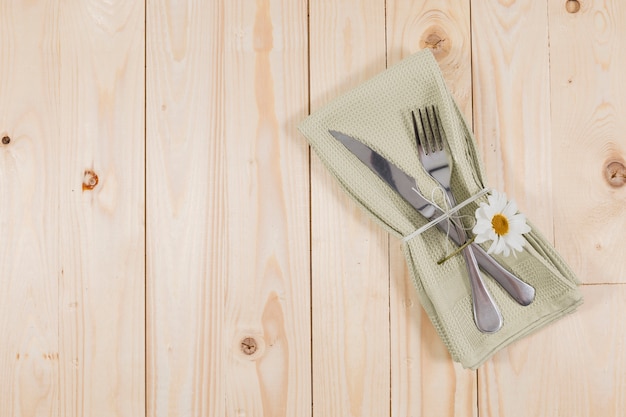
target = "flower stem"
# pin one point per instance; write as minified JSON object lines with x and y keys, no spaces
{"x":459,"y":249}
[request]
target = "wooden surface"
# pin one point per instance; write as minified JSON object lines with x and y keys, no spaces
{"x":169,"y":245}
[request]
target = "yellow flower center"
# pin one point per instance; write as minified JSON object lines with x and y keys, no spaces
{"x":500,"y":224}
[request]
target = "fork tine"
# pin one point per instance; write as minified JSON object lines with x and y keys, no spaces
{"x":416,"y":131}
{"x":440,"y":135}
{"x":420,"y":134}
{"x":426,"y":125}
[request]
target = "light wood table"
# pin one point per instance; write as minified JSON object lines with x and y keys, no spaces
{"x":170,"y":246}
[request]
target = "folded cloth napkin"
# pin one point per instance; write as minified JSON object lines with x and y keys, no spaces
{"x":378,"y":113}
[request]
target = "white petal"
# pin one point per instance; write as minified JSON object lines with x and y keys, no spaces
{"x":492,"y":248}
{"x":497,"y":201}
{"x":480,"y":212}
{"x":510,"y":209}
{"x":495,"y":195}
{"x":515,"y":241}
{"x":481,"y":226}
{"x":485,"y":236}
{"x":515,"y":227}
{"x":481,"y":238}
{"x":518,"y":219}
{"x":518,"y":224}
{"x":519,"y":228}
{"x":488,"y":212}
{"x":525,"y":229}
{"x":493,"y":200}
{"x":502,"y":201}
{"x":484,"y":222}
{"x":501,"y":246}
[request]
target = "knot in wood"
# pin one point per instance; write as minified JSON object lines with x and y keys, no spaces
{"x":248,"y":346}
{"x":90,"y":180}
{"x":572,"y":6}
{"x":615,"y":173}
{"x":437,"y":40}
{"x":6,"y":140}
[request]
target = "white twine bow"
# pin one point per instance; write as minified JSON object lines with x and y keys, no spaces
{"x":448,"y":212}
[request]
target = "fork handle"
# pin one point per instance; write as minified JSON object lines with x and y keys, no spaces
{"x":486,"y":314}
{"x":520,"y":291}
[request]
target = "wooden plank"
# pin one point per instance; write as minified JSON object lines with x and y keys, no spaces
{"x":350,"y":286}
{"x":424,"y":380}
{"x":510,"y":57}
{"x":575,"y":367}
{"x":587,"y":61}
{"x":510,"y":53}
{"x":102,"y":207}
{"x":442,"y":26}
{"x":229,"y":313}
{"x":186,"y":215}
{"x":30,"y":178}
{"x":74,"y":180}
{"x":268,"y":286}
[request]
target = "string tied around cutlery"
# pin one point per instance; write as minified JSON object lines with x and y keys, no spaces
{"x":448,"y":213}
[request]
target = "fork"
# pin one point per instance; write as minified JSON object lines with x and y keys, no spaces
{"x":435,"y":161}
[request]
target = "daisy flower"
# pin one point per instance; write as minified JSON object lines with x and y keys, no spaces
{"x":500,"y":222}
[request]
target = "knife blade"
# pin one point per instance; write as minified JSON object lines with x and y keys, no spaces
{"x":406,"y":187}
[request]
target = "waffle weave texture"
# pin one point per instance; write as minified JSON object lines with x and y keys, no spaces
{"x":378,"y":113}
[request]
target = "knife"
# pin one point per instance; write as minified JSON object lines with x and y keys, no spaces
{"x":406,"y":187}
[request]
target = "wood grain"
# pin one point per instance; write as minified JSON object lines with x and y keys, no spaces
{"x":186,"y":218}
{"x":423,"y":379}
{"x":587,"y":61}
{"x":229,"y":313}
{"x":268,"y":285}
{"x":575,"y":367}
{"x":349,"y":254}
{"x":444,"y":28}
{"x":574,"y":362}
{"x":102,"y":273}
{"x":169,"y":247}
{"x":30,"y":194}
{"x":511,"y":80}
{"x":72,"y":266}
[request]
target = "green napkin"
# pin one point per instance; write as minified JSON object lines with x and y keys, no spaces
{"x":378,"y":113}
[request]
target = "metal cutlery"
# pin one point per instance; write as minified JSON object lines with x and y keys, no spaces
{"x":434,"y":158}
{"x":406,"y":187}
